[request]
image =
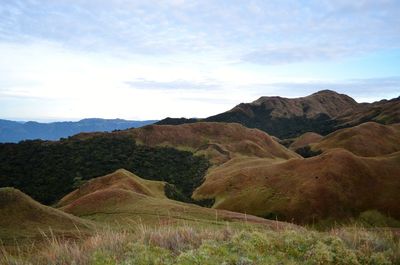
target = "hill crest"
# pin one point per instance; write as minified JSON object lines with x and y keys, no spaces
{"x":120,"y":179}
{"x":367,"y":139}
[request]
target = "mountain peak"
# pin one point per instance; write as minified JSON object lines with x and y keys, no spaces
{"x":289,"y":117}
{"x":326,"y":92}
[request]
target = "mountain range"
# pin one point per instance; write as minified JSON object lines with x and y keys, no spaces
{"x":13,"y":131}
{"x":322,"y":112}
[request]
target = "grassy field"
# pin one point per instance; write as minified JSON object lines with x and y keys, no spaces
{"x":188,"y":244}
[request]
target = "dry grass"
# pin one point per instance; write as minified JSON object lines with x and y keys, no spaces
{"x":336,"y":184}
{"x":305,"y":139}
{"x":189,"y":244}
{"x":367,"y":139}
{"x":22,"y":217}
{"x":217,"y":141}
{"x":105,"y":201}
{"x":120,"y":179}
{"x":55,"y":249}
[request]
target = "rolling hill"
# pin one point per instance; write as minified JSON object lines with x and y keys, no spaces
{"x":367,"y":139}
{"x":24,"y":218}
{"x":120,"y":179}
{"x":334,"y":185}
{"x":122,"y":197}
{"x":357,"y":171}
{"x":304,"y":140}
{"x":179,"y":155}
{"x":219,"y":142}
{"x":250,"y":171}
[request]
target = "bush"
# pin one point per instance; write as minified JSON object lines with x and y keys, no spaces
{"x":376,"y":219}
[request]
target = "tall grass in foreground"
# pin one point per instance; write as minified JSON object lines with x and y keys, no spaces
{"x":189,"y":245}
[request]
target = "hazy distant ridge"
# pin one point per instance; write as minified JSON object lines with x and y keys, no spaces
{"x":13,"y":131}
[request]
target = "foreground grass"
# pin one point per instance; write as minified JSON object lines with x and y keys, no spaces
{"x":187,"y":245}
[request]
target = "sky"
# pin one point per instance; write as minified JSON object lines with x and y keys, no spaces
{"x":74,"y":59}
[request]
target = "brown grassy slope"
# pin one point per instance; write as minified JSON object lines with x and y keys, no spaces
{"x":335,"y":184}
{"x":326,"y":101}
{"x":384,"y":111}
{"x":367,"y":139}
{"x":305,"y":139}
{"x":120,"y":179}
{"x":218,"y":141}
{"x":21,"y":216}
{"x":123,"y":205}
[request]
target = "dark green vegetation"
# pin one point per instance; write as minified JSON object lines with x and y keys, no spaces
{"x":306,"y":151}
{"x":49,"y":170}
{"x":176,"y":121}
{"x":280,"y":127}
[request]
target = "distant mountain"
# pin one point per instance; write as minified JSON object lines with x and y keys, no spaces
{"x":290,"y":117}
{"x":177,"y":121}
{"x":13,"y":131}
{"x":322,"y":112}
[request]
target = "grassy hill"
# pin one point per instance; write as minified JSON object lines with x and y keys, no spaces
{"x":179,"y":155}
{"x":122,"y":197}
{"x":210,"y":238}
{"x":24,"y":218}
{"x":124,"y":219}
{"x":334,"y":185}
{"x":218,"y":142}
{"x":304,"y":140}
{"x":367,"y":139}
{"x":120,"y":179}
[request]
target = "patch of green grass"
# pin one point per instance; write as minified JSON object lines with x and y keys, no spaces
{"x":376,"y":219}
{"x":367,"y":219}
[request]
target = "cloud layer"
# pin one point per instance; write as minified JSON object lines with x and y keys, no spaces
{"x":257,"y":31}
{"x":155,"y":58}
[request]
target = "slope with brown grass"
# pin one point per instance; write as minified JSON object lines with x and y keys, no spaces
{"x":291,"y":117}
{"x":323,"y":112}
{"x":384,"y":112}
{"x":219,"y":142}
{"x":108,"y":200}
{"x":305,"y":139}
{"x":336,"y":184}
{"x":121,"y":179}
{"x":22,"y":217}
{"x":367,"y":139}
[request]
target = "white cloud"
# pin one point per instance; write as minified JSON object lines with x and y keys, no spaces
{"x":234,"y":29}
{"x":157,"y":58}
{"x":70,"y":84}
